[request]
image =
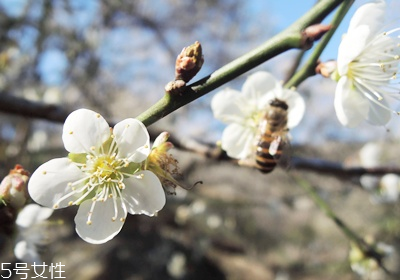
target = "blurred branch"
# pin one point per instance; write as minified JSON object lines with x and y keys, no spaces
{"x":292,"y":37}
{"x":318,"y":165}
{"x":368,"y":250}
{"x":338,"y":169}
{"x":22,"y":107}
{"x":309,"y":67}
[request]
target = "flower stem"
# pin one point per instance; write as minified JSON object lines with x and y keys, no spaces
{"x":308,"y":68}
{"x":368,"y":249}
{"x":288,"y":39}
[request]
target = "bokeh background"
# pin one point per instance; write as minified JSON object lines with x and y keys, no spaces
{"x":115,"y":57}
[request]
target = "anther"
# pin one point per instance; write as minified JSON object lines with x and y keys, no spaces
{"x":71,"y":132}
{"x":55,"y":206}
{"x":44,"y":172}
{"x":98,"y":116}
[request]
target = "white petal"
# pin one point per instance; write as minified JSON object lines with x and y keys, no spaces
{"x":227,"y":106}
{"x":84,"y":129}
{"x":145,"y":195}
{"x":26,"y":251}
{"x":162,"y":138}
{"x":50,"y":182}
{"x":132,"y":139}
{"x":378,"y":115}
{"x":238,"y":140}
{"x":296,"y":106}
{"x":370,"y":14}
{"x":102,"y":228}
{"x":351,"y":47}
{"x":258,"y":84}
{"x":32,"y":214}
{"x":350,"y":105}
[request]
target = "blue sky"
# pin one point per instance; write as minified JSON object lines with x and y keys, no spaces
{"x":268,"y":16}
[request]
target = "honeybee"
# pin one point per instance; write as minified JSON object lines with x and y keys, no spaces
{"x":272,"y":136}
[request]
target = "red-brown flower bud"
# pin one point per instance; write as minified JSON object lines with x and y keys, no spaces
{"x":13,"y":189}
{"x":189,"y":62}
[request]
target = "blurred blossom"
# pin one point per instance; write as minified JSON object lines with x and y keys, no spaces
{"x":242,"y":111}
{"x":52,"y":96}
{"x":366,"y":266}
{"x":38,"y":140}
{"x":371,"y":154}
{"x":367,"y":65}
{"x":102,"y":175}
{"x":388,"y":189}
{"x":13,"y":187}
{"x":383,"y":189}
{"x":177,"y":265}
{"x":31,"y":229}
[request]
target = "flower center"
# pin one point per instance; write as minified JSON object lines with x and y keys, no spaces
{"x":105,"y":167}
{"x":374,"y":71}
{"x":103,"y":180}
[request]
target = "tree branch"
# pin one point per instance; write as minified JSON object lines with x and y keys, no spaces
{"x":22,"y":107}
{"x":290,"y":38}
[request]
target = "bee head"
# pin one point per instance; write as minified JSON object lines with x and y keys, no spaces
{"x":279,"y":103}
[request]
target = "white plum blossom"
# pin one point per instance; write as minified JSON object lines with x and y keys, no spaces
{"x":242,"y":111}
{"x":30,"y":232}
{"x":383,"y":189}
{"x":366,"y":265}
{"x":102,"y":175}
{"x":367,"y":65}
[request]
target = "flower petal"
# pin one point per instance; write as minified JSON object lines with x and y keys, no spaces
{"x":378,"y":115}
{"x":351,"y":47}
{"x":161,"y":139}
{"x":365,"y":23}
{"x":258,"y":84}
{"x":227,"y":106}
{"x":238,"y":141}
{"x":296,"y":107}
{"x":143,"y":193}
{"x":26,"y":251}
{"x":50,"y":182}
{"x":370,"y":14}
{"x":32,"y":214}
{"x":84,"y":129}
{"x":132,"y":139}
{"x":102,"y":228}
{"x":350,"y":105}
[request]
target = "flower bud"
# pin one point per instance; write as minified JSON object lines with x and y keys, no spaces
{"x":163,"y":164}
{"x":13,"y":189}
{"x":326,"y":69}
{"x":313,"y":33}
{"x":189,"y":62}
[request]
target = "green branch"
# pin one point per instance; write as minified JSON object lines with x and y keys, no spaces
{"x":290,"y":38}
{"x":369,"y":250}
{"x":308,"y":68}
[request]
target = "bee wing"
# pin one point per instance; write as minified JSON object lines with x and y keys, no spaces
{"x":274,"y":146}
{"x":285,"y":153}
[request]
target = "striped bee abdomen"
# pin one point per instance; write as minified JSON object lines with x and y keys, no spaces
{"x":266,"y":162}
{"x":271,"y":129}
